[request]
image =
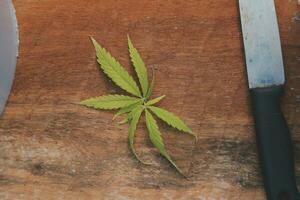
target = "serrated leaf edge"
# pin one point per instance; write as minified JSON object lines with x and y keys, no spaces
{"x":139,"y":66}
{"x":163,"y":151}
{"x":128,"y":78}
{"x":186,"y":130}
{"x":136,"y":114}
{"x":84,"y":102}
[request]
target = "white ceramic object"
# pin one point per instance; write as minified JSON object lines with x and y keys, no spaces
{"x":9,"y":42}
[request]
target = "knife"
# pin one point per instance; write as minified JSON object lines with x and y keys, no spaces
{"x":8,"y":49}
{"x":266,"y":79}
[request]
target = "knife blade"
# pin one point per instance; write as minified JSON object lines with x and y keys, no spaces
{"x":9,"y":41}
{"x":265,"y":71}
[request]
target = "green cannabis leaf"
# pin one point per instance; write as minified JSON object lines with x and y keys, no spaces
{"x":139,"y":66}
{"x":110,"y":102}
{"x":115,"y":71}
{"x":134,"y":106}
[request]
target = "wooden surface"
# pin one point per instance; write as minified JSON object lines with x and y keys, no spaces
{"x":53,"y":149}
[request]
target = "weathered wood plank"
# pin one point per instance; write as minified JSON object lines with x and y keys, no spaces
{"x":53,"y":149}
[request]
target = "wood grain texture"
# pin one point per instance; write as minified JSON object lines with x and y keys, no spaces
{"x":53,"y":149}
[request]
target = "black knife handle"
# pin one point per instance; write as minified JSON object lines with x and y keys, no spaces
{"x":274,"y":144}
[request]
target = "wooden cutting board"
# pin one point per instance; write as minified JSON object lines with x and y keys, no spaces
{"x":53,"y":149}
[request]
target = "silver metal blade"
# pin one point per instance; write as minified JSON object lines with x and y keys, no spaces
{"x":261,"y":43}
{"x":8,"y":49}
